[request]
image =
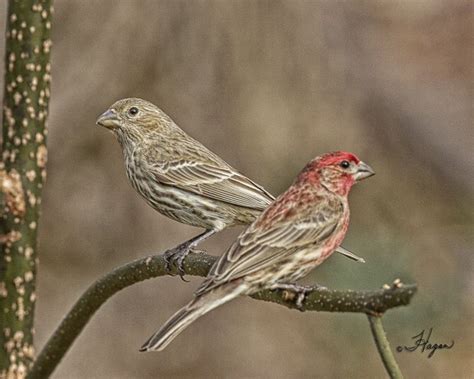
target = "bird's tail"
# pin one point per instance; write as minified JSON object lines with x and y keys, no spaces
{"x":191,"y":312}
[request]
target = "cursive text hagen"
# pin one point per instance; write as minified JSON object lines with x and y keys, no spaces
{"x":424,"y":344}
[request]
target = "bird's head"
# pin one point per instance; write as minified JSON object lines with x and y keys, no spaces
{"x":337,"y":171}
{"x":134,"y":117}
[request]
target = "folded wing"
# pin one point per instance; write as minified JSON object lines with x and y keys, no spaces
{"x":256,"y":249}
{"x":216,"y":182}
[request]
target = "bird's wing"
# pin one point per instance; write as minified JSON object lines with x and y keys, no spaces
{"x":214,"y":181}
{"x":256,"y":249}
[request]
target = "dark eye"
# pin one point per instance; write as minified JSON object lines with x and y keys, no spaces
{"x":133,"y":111}
{"x":344,"y":164}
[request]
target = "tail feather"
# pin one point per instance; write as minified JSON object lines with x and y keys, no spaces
{"x":191,"y":312}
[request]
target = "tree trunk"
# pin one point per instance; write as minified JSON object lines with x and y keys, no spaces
{"x":22,"y":175}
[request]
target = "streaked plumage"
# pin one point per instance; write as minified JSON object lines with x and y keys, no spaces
{"x":293,"y":235}
{"x":177,"y":175}
{"x":181,"y":178}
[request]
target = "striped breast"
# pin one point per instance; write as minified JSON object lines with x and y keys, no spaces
{"x":180,"y":205}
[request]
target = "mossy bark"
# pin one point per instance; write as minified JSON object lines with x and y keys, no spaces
{"x":22,"y":175}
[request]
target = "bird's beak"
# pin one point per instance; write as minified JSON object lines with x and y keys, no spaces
{"x":108,"y":119}
{"x":363,"y":171}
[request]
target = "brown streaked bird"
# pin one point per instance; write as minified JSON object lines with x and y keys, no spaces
{"x":295,"y":234}
{"x":181,"y":178}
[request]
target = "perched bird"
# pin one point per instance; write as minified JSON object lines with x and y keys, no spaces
{"x":292,"y":236}
{"x":178,"y":176}
{"x":181,"y":178}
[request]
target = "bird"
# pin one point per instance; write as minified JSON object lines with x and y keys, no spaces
{"x":180,"y":178}
{"x":294,"y":234}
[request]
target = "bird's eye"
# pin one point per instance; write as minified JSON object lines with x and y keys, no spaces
{"x":344,"y":164}
{"x":133,"y":111}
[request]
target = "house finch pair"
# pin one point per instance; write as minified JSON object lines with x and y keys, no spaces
{"x":296,"y":233}
{"x":180,"y":178}
{"x":183,"y":180}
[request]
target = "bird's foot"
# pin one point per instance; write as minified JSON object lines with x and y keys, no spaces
{"x":175,"y":257}
{"x":295,"y":292}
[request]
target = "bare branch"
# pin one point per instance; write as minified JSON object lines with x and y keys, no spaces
{"x":198,"y":264}
{"x":383,"y":347}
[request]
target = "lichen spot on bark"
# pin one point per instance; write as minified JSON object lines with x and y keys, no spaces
{"x":10,"y":185}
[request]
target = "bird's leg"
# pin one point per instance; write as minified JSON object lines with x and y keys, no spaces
{"x":177,"y":254}
{"x":299,"y":290}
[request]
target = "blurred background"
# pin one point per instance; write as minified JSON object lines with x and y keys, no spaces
{"x":267,"y":85}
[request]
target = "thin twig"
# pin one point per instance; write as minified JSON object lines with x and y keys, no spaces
{"x":98,"y":293}
{"x":383,"y":346}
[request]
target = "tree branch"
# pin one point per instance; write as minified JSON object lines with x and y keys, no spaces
{"x":383,"y":347}
{"x":198,"y":264}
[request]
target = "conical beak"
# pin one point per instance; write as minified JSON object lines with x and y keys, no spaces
{"x":108,"y":119}
{"x":363,"y":171}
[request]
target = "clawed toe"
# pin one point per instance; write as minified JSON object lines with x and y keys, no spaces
{"x":169,"y":257}
{"x":175,"y":257}
{"x":302,"y":292}
{"x":180,"y":266}
{"x":320,"y":287}
{"x":294,"y":291}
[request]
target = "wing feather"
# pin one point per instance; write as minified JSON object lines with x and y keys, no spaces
{"x":255,"y":250}
{"x":217,"y":182}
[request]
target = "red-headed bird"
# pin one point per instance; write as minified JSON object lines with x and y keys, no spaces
{"x":179,"y":177}
{"x":296,"y":233}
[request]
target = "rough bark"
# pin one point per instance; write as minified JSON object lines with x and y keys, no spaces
{"x":22,"y":175}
